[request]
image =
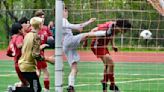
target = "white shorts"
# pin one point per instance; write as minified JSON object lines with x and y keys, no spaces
{"x":70,"y":44}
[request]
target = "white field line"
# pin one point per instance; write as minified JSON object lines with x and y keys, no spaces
{"x":122,"y":82}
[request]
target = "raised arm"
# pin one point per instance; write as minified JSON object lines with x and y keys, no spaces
{"x":66,"y":24}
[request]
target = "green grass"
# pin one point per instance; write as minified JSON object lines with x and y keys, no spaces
{"x":130,"y":77}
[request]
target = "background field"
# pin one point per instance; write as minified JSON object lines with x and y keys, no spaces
{"x":130,"y":77}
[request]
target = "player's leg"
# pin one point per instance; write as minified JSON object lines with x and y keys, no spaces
{"x":95,"y":34}
{"x":73,"y":59}
{"x":33,"y":80}
{"x":42,"y":67}
{"x":23,"y":82}
{"x":108,"y":62}
{"x":71,"y":77}
{"x":100,"y":52}
{"x":46,"y":80}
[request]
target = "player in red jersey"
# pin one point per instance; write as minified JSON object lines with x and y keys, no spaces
{"x":99,"y":48}
{"x":17,"y":41}
{"x":18,"y":32}
{"x":44,"y":34}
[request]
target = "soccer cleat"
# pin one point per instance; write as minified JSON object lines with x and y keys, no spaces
{"x":70,"y":89}
{"x":11,"y":88}
{"x":104,"y":86}
{"x":114,"y":88}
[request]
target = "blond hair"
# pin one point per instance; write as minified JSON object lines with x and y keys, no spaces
{"x":36,"y":22}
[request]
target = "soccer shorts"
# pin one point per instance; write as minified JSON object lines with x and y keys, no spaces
{"x":70,"y":44}
{"x":100,"y":51}
{"x":41,"y":64}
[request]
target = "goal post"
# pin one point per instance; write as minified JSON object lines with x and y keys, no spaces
{"x":58,"y":46}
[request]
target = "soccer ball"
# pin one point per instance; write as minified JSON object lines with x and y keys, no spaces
{"x":146,"y":34}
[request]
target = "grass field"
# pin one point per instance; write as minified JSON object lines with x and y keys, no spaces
{"x":130,"y":77}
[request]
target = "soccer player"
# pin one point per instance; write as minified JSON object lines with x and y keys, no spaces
{"x":71,"y":42}
{"x":44,"y":34}
{"x":17,"y":41}
{"x":99,"y":48}
{"x":158,"y":5}
{"x":30,"y":55}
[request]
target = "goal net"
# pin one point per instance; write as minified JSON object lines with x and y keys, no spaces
{"x":137,"y":69}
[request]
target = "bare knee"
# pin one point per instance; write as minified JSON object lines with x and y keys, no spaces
{"x":74,"y":69}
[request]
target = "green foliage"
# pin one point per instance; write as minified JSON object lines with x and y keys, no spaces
{"x":139,"y":12}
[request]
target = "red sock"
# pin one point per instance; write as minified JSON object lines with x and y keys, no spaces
{"x":105,"y":77}
{"x":111,"y":78}
{"x":47,"y":83}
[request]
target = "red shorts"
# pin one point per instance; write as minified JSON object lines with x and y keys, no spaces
{"x":41,"y":64}
{"x":20,"y":74}
{"x":100,"y":51}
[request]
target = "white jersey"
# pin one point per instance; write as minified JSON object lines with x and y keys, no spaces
{"x":67,"y":27}
{"x":71,"y":42}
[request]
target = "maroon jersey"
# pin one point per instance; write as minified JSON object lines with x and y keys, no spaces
{"x":44,"y":33}
{"x":102,"y":41}
{"x":99,"y":44}
{"x":17,"y":39}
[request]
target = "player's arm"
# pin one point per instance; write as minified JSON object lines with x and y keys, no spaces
{"x":19,"y":41}
{"x":113,"y":44}
{"x":79,"y":27}
{"x":50,"y":59}
{"x":50,"y":34}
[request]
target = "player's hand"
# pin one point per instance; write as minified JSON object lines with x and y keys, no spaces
{"x":115,"y":49}
{"x":43,"y":46}
{"x":92,"y":19}
{"x":85,"y":43}
{"x":50,"y":59}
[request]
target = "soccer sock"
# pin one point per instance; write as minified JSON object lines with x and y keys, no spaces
{"x":47,"y":83}
{"x":105,"y":78}
{"x":71,"y":80}
{"x":111,"y":78}
{"x":100,"y":33}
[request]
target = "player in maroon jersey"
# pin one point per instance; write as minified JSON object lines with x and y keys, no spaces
{"x":44,"y":34}
{"x":100,"y":49}
{"x":17,"y":41}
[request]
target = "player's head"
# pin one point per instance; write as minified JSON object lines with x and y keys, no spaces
{"x":65,"y":12}
{"x":122,"y":25}
{"x":40,"y":13}
{"x":16,"y":28}
{"x":36,"y":22}
{"x":25,"y":23}
{"x":24,"y":20}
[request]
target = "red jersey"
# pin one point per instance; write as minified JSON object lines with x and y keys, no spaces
{"x":99,"y":44}
{"x":102,"y":41}
{"x":44,"y":33}
{"x":17,"y":39}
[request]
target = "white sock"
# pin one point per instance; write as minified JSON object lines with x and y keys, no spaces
{"x":162,"y":3}
{"x":100,"y":33}
{"x":71,"y":80}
